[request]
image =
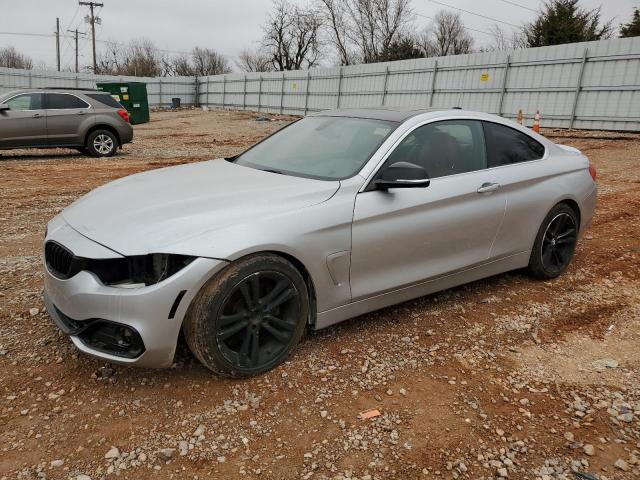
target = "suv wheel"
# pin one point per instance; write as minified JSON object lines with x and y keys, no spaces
{"x":102,"y":143}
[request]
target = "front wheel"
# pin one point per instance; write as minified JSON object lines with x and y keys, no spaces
{"x":249,"y":318}
{"x":555,"y":243}
{"x":102,"y":143}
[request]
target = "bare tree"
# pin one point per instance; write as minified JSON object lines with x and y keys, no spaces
{"x":110,"y":59}
{"x":503,"y":40}
{"x":143,"y":59}
{"x":254,"y":61}
{"x":447,"y":35}
{"x":208,"y":62}
{"x":11,"y":58}
{"x":140,"y":58}
{"x":291,"y":36}
{"x":336,"y":20}
{"x":360,"y":30}
{"x":178,"y":65}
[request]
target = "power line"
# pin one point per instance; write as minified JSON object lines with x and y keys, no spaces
{"x":107,"y":42}
{"x":24,"y":34}
{"x":473,"y":13}
{"x":518,"y":5}
{"x":68,"y":46}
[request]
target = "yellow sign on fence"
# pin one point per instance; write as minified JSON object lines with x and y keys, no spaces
{"x":484,"y":77}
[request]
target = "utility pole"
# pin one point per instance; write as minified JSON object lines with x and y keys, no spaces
{"x":58,"y":42}
{"x":92,"y":21}
{"x":76,"y":33}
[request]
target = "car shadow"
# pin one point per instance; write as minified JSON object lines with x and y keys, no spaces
{"x":186,"y":368}
{"x":48,"y":155}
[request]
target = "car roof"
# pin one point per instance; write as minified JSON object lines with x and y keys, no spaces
{"x":390,"y":114}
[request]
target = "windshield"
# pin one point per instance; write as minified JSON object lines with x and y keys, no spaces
{"x":328,"y":148}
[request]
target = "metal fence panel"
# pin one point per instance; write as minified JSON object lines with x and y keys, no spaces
{"x":160,"y":89}
{"x":590,"y":85}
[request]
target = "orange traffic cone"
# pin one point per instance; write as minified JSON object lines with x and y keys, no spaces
{"x":520,"y":119}
{"x":536,"y":122}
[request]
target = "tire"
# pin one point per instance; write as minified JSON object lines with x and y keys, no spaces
{"x":555,"y":243}
{"x":225,"y":325}
{"x":102,"y":143}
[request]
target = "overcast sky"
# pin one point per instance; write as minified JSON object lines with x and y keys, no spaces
{"x":227,"y":26}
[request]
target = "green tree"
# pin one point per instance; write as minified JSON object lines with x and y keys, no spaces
{"x":402,"y":49}
{"x":631,"y":29}
{"x":563,"y":21}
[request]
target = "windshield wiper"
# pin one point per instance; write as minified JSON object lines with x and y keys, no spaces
{"x":271,"y":171}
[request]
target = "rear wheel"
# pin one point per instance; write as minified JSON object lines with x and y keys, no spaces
{"x":102,"y":143}
{"x":555,"y":243}
{"x":249,"y":318}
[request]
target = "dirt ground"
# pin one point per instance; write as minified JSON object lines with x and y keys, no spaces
{"x":505,"y":377}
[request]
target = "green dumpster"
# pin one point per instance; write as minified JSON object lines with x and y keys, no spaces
{"x":132,"y":96}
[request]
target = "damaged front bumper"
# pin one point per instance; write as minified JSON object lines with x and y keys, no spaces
{"x":130,"y":326}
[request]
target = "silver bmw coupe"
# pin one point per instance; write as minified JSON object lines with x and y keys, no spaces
{"x":337,"y":214}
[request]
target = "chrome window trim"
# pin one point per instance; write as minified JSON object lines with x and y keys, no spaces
{"x":25,"y":93}
{"x":370,"y":178}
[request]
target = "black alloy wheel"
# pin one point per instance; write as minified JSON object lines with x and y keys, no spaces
{"x":258,"y":319}
{"x":248,"y":318}
{"x":558,"y":242}
{"x":555,"y":243}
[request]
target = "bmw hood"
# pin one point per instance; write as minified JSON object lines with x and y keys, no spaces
{"x":153,"y":211}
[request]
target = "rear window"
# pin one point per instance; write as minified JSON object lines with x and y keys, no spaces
{"x":105,"y":99}
{"x":506,"y":146}
{"x":64,"y":101}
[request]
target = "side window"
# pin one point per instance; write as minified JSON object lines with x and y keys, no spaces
{"x":28,"y":101}
{"x":105,"y":99}
{"x":506,"y":145}
{"x":444,"y":148}
{"x":60,"y":101}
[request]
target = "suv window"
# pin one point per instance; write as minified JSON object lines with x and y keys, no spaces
{"x":62,"y":101}
{"x":105,"y":99}
{"x":26,"y":101}
{"x":506,"y":145}
{"x":444,"y":148}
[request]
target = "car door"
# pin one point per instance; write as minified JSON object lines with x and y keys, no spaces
{"x":512,"y":157}
{"x":65,"y":116}
{"x":24,"y":124}
{"x":404,"y":236}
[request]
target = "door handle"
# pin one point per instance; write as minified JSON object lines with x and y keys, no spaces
{"x":82,"y":112}
{"x":36,"y":115}
{"x":488,"y":187}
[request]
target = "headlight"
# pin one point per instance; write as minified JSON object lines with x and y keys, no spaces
{"x":139,"y":270}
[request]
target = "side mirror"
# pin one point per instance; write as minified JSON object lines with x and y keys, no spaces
{"x":402,"y":175}
{"x":4,"y":107}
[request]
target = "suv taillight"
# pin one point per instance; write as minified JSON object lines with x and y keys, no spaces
{"x":124,"y":114}
{"x":592,"y":171}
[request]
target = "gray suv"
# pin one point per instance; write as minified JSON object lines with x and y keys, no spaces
{"x":90,"y":121}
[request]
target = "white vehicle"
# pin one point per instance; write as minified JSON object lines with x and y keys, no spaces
{"x":335,"y":215}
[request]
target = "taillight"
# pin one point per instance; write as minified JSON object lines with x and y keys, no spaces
{"x":124,"y":114}
{"x":592,"y":171}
